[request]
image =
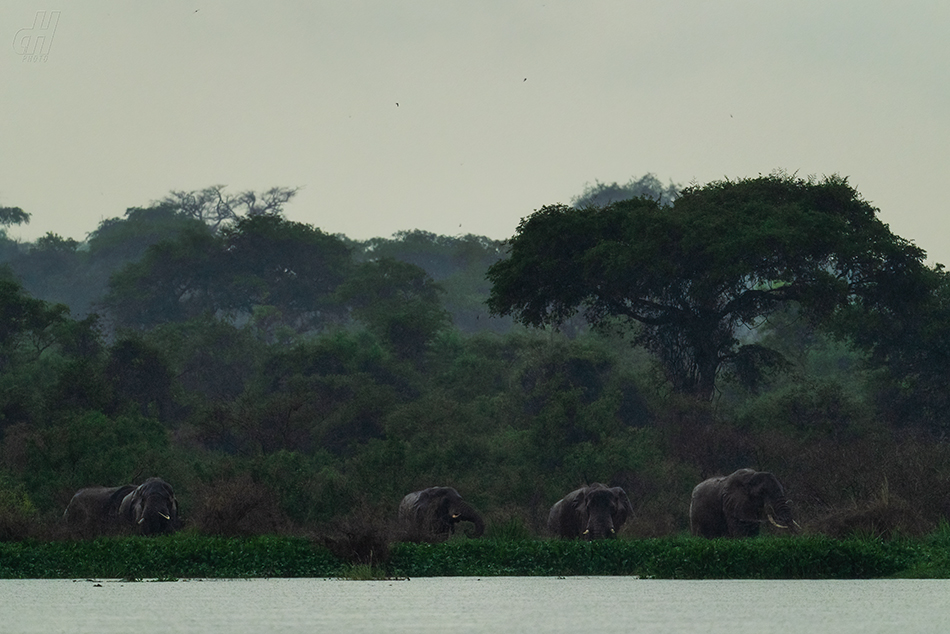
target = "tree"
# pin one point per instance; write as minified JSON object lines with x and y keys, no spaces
{"x":138,"y":374}
{"x":13,"y":216}
{"x":647,"y":186}
{"x":294,"y":267}
{"x":28,"y":326}
{"x":175,"y":280}
{"x":457,"y":263}
{"x":53,"y":269}
{"x":910,"y":349}
{"x":261,"y":265}
{"x":214,"y":207}
{"x":10,"y":216}
{"x":398,"y":302}
{"x":119,"y":240}
{"x":721,"y":256}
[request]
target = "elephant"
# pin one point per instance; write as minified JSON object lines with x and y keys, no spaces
{"x":433,"y":513}
{"x":151,"y":508}
{"x":590,"y":512}
{"x":736,"y":505}
{"x":94,"y":511}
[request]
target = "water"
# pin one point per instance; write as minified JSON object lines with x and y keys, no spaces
{"x":469,"y":604}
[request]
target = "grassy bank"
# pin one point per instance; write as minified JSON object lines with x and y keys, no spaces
{"x":679,"y":558}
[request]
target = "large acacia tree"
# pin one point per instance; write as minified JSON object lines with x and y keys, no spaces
{"x":690,"y":275}
{"x":258,"y":263}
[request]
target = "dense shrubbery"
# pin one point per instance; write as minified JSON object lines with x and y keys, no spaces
{"x":189,"y":555}
{"x":281,"y":438}
{"x":271,"y":415}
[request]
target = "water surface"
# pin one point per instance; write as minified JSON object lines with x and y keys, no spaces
{"x":470,"y":604}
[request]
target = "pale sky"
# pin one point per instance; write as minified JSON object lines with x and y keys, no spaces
{"x":503,"y":105}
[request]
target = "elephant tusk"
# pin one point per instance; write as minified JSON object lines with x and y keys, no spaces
{"x":141,"y":519}
{"x":165,"y":516}
{"x":774,"y":523}
{"x":587,"y":532}
{"x":455,"y":516}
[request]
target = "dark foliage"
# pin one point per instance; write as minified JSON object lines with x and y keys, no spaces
{"x":722,"y":256}
{"x":288,"y":381}
{"x":647,"y":186}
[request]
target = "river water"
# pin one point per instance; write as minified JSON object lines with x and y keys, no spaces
{"x":470,"y":604}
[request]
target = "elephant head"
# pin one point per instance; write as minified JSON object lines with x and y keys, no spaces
{"x":736,"y":505}
{"x":434,"y":512}
{"x":151,"y":508}
{"x":591,"y":512}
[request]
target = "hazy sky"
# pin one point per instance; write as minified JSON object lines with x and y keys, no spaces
{"x":503,"y":106}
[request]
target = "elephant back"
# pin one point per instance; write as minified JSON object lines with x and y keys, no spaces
{"x":94,"y":511}
{"x":409,"y":507}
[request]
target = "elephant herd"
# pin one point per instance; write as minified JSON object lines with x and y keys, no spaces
{"x":728,"y":506}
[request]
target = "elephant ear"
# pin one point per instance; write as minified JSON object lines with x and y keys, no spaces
{"x":624,"y":507}
{"x":424,"y":497}
{"x":579,"y":499}
{"x":738,"y":500}
{"x":125,"y":507}
{"x":763,"y":484}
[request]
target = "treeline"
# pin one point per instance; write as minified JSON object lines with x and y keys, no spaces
{"x":285,"y":380}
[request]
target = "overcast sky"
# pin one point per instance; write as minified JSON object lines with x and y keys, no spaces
{"x":503,"y":106}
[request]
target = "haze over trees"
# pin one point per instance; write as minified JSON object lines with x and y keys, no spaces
{"x":285,"y":379}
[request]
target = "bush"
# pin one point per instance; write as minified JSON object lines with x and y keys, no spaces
{"x":18,"y":516}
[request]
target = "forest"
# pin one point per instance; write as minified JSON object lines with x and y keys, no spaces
{"x":288,"y":381}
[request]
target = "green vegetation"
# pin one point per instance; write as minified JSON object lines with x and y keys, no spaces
{"x":685,"y":277}
{"x":290,"y":383}
{"x":190,"y":556}
{"x":167,"y":557}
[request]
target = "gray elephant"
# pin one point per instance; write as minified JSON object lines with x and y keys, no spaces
{"x":738,"y":504}
{"x":591,"y":512}
{"x":433,"y":513}
{"x":151,"y":508}
{"x":94,"y":511}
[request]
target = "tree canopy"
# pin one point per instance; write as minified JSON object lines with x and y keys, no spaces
{"x":647,"y":186}
{"x":398,"y":301}
{"x":258,"y":261}
{"x":303,"y":381}
{"x":690,"y":275}
{"x":13,"y":216}
{"x":216,"y":208}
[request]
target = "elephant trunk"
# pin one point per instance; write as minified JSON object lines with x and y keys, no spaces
{"x":783,"y":515}
{"x":599,"y":528}
{"x":156,"y":517}
{"x":465,"y":513}
{"x":479,"y":526}
{"x":477,"y":521}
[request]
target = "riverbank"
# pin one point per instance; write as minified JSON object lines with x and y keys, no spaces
{"x":195,"y":556}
